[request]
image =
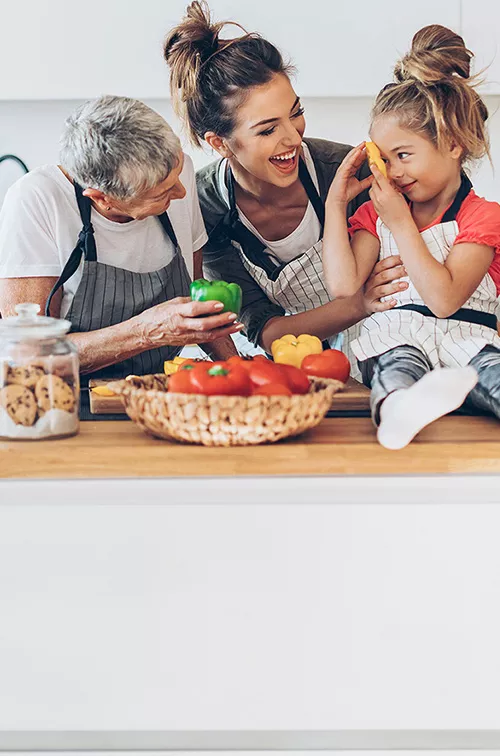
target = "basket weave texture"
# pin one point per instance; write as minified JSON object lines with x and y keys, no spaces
{"x":222,"y":420}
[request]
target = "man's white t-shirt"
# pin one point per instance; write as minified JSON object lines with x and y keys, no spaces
{"x":40,"y":223}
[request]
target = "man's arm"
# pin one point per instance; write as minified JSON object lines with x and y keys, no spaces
{"x":177,"y":323}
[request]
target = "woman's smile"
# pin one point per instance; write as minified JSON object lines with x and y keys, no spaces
{"x":286,"y":162}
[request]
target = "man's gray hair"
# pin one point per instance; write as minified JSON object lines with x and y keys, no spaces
{"x":119,"y":146}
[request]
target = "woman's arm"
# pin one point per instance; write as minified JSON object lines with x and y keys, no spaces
{"x":336,"y":316}
{"x":347,"y":265}
{"x":322,"y":322}
{"x":178,"y":322}
{"x":443,"y":287}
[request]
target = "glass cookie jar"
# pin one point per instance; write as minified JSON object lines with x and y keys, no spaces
{"x":39,"y":377}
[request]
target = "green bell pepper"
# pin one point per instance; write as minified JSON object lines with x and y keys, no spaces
{"x":227,"y":293}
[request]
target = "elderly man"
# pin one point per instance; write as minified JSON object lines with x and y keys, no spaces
{"x":110,"y":239}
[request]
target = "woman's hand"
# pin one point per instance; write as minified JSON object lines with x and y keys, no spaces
{"x":389,"y":203}
{"x":345,"y":186}
{"x":382,"y":283}
{"x":180,"y":321}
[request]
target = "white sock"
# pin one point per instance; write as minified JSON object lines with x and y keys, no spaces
{"x":405,"y":412}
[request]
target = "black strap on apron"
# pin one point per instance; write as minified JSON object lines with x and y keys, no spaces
{"x":85,"y":244}
{"x":464,"y":314}
{"x":231,"y":227}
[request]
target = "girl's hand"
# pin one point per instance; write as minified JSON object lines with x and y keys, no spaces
{"x":389,"y":203}
{"x":345,"y":186}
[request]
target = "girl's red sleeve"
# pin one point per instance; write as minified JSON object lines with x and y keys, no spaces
{"x":364,"y":219}
{"x":479,"y":223}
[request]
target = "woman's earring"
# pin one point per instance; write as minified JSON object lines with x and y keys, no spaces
{"x":108,"y":207}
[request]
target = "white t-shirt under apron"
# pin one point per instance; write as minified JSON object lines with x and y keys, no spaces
{"x":307,"y":233}
{"x":40,"y":223}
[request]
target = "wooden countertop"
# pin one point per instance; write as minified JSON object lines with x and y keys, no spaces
{"x":339,"y":446}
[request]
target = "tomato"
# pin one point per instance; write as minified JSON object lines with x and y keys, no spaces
{"x":265,"y":371}
{"x":220,"y":379}
{"x":297,"y":380}
{"x":247,"y":362}
{"x":329,"y":364}
{"x":180,"y":382}
{"x":272,"y":389}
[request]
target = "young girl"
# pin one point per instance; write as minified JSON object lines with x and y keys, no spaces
{"x":440,"y":344}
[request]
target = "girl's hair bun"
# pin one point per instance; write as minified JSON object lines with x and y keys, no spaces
{"x":437,"y":55}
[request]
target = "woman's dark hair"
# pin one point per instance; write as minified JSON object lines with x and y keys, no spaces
{"x":433,"y":93}
{"x":209,"y":75}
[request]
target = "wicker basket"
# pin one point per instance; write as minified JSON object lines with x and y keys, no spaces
{"x":222,"y":420}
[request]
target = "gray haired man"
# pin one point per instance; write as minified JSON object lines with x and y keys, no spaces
{"x":110,"y":239}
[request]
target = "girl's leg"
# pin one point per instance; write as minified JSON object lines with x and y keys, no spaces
{"x":407,"y":395}
{"x":486,"y":393}
{"x":396,"y":369}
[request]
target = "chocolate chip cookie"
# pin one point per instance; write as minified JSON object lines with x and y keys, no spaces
{"x":25,"y":376}
{"x":20,"y":404}
{"x":54,"y":393}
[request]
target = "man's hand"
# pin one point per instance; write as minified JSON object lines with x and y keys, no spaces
{"x":180,"y":321}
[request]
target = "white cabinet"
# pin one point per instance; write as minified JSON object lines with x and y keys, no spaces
{"x":481,"y":30}
{"x":53,"y":49}
{"x":297,"y":610}
{"x":341,"y":48}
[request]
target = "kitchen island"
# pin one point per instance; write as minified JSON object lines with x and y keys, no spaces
{"x":321,"y":592}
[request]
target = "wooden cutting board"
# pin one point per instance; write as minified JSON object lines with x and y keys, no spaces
{"x":104,"y":405}
{"x":355,"y":397}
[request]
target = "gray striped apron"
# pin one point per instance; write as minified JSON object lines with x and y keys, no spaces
{"x":108,"y":295}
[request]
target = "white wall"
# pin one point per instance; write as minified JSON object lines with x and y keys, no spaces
{"x":30,"y":129}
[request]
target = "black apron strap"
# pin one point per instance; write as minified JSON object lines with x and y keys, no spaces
{"x":85,"y":245}
{"x":463,"y":314}
{"x":312,"y":193}
{"x":464,"y":189}
{"x":168,"y":228}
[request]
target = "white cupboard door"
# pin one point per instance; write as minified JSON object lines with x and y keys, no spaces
{"x":57,"y":49}
{"x":339,"y":48}
{"x":481,"y":30}
{"x":60,"y":50}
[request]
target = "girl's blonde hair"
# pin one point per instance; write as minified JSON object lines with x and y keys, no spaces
{"x":433,"y":93}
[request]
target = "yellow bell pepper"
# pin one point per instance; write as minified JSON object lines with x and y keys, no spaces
{"x":172,"y":366}
{"x":374,"y":157}
{"x":291,"y":350}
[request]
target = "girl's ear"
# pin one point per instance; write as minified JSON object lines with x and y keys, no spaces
{"x":456,"y":151}
{"x":218,"y":144}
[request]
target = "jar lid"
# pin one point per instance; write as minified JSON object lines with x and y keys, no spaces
{"x":28,"y":324}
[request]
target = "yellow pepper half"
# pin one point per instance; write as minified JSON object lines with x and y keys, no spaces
{"x":291,"y":350}
{"x":374,"y":157}
{"x":172,"y":366}
{"x":103,"y":391}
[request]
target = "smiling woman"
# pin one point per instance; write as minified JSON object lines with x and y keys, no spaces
{"x":263,"y":200}
{"x":109,"y":240}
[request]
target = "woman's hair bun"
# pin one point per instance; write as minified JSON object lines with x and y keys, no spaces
{"x":437,"y":54}
{"x":195,"y":37}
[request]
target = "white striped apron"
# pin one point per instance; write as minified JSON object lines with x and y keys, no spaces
{"x":446,"y":342}
{"x":298,"y":285}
